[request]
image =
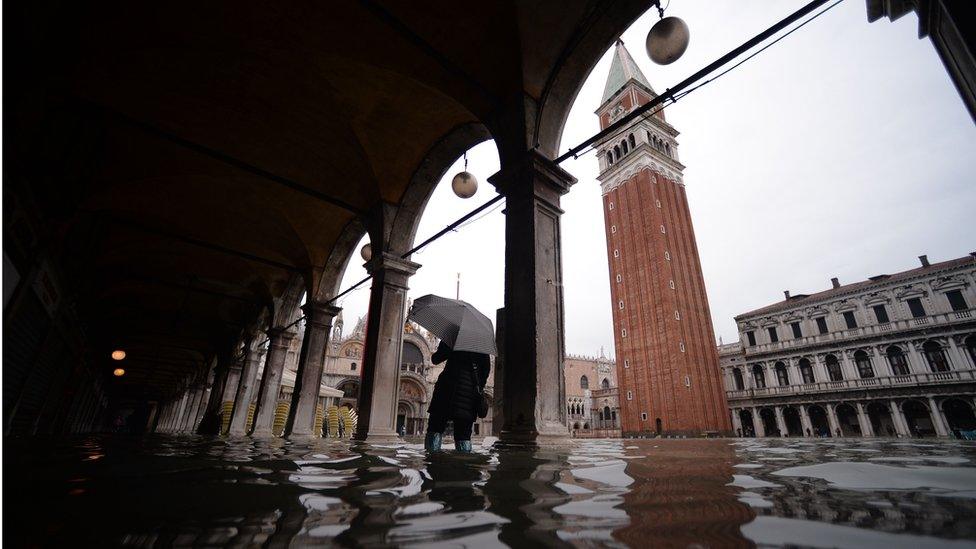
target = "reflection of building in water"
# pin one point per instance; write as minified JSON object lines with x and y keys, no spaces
{"x":343,"y":370}
{"x":894,"y":355}
{"x":592,"y":403}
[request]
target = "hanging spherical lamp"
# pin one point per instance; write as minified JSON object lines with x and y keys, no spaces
{"x":667,"y":40}
{"x":118,"y":372}
{"x":118,"y":354}
{"x":366,"y":252}
{"x":464,"y":183}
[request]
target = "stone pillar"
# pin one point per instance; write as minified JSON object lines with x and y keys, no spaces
{"x":308,"y":379}
{"x":210,"y":422}
{"x":196,"y":393}
{"x":757,"y":423}
{"x":380,"y":382}
{"x":279,"y":340}
{"x":832,"y":420}
{"x":957,"y":357}
{"x":901,"y":426}
{"x":781,"y":422}
{"x":736,"y":423}
{"x":535,"y":387}
{"x":805,"y":422}
{"x":938,"y":420}
{"x":245,"y":391}
{"x":796,"y":378}
{"x":820,"y":368}
{"x":864,"y":420}
{"x":847,"y":366}
{"x":917,"y":362}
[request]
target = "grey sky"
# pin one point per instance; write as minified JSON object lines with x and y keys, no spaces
{"x":843,"y":150}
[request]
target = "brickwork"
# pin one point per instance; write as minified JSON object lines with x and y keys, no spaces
{"x":667,"y":364}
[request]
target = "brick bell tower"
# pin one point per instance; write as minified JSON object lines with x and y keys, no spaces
{"x":667,"y":362}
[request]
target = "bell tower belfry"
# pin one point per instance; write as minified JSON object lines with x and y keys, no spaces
{"x":667,"y":363}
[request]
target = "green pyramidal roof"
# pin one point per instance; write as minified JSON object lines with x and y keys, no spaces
{"x":622,"y":70}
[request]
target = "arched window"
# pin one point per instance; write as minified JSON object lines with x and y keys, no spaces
{"x":782,"y":376}
{"x":633,"y":142}
{"x":616,"y":152}
{"x":898,"y":361}
{"x":667,"y":148}
{"x":353,"y":366}
{"x":833,"y":368}
{"x":605,"y":383}
{"x":935,"y":356}
{"x":606,"y":413}
{"x":759,"y":376}
{"x":737,"y":379}
{"x":806,"y":371}
{"x":971,"y":347}
{"x":584,"y":382}
{"x":649,"y":138}
{"x":609,"y":158}
{"x":863,"y":363}
{"x":411,"y":354}
{"x":623,"y":145}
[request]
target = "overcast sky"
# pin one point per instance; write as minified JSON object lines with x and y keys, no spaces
{"x":842,"y":151}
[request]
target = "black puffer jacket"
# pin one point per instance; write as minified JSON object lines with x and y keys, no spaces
{"x":455,"y":393}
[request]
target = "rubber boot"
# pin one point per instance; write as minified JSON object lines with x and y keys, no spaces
{"x":432,"y":442}
{"x":463,"y":446}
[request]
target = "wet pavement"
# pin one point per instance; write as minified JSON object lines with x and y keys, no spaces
{"x":161,"y":491}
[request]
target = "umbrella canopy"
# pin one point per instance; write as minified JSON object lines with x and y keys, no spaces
{"x":456,"y":322}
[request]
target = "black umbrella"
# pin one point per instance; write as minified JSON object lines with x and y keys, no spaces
{"x":457,"y":323}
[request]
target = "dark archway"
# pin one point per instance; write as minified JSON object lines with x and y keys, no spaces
{"x":794,"y":425}
{"x":935,"y":356}
{"x":971,"y":348}
{"x":806,"y":371}
{"x":960,"y":417}
{"x":847,"y":420}
{"x":898,"y":361}
{"x":833,"y":368}
{"x":658,"y":427}
{"x":745,"y":418}
{"x":879,"y":414}
{"x":918,"y":418}
{"x":760,"y":376}
{"x":782,"y":374}
{"x":768,"y":417}
{"x":737,"y":379}
{"x":864,"y":367}
{"x":818,"y":419}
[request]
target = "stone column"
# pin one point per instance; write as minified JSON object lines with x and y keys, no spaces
{"x":380,"y":382}
{"x":917,"y":362}
{"x":757,"y":423}
{"x":308,"y":378}
{"x":901,"y":426}
{"x":805,"y":422}
{"x":781,"y":421}
{"x":820,"y":368}
{"x":938,"y":420}
{"x":274,"y":364}
{"x":832,"y":420}
{"x":197,"y":393}
{"x":210,"y":422}
{"x":864,"y":420}
{"x":796,"y":378}
{"x":245,"y":391}
{"x":535,"y":386}
{"x":957,"y":357}
{"x":736,"y":423}
{"x":847,"y":366}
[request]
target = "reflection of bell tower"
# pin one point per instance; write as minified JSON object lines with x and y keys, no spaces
{"x":667,"y":363}
{"x":337,"y":331}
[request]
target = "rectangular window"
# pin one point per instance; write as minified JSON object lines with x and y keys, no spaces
{"x":623,"y":332}
{"x":915,"y":306}
{"x":643,"y":416}
{"x":751,"y":336}
{"x":681,"y":345}
{"x":667,"y":255}
{"x":662,"y":229}
{"x":620,"y":304}
{"x":658,"y":203}
{"x":616,"y":253}
{"x":822,"y":325}
{"x":630,"y":395}
{"x":773,"y":336}
{"x":677,"y":315}
{"x":611,"y":205}
{"x":881,"y":314}
{"x":956,"y":300}
{"x":850,"y":320}
{"x":619,"y":278}
{"x":626,"y":363}
{"x":797,"y":332}
{"x":671,"y":283}
{"x":613,"y":228}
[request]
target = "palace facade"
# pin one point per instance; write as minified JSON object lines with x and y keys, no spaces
{"x":592,"y":396}
{"x":893,"y":355}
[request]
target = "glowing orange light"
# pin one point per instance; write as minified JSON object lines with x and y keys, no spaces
{"x":118,"y":354}
{"x":118,"y":372}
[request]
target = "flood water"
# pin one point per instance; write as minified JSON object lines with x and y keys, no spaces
{"x":160,"y":491}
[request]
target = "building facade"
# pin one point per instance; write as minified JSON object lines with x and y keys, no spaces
{"x":592,"y":397}
{"x":669,"y":377}
{"x":894,"y":355}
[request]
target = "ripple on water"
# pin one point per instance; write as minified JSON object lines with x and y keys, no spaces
{"x":778,"y":531}
{"x":872,"y":476}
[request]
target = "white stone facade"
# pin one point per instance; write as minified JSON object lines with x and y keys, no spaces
{"x":894,"y":355}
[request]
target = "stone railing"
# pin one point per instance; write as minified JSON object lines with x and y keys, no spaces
{"x":927,"y":378}
{"x":862,"y":331}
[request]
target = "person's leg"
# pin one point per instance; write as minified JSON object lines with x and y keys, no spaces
{"x":435,"y":430}
{"x":462,"y":435}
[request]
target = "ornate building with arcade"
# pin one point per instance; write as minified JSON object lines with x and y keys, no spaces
{"x":592,"y":396}
{"x":893,"y":355}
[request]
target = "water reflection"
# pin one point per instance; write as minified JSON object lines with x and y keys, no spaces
{"x":179,"y":491}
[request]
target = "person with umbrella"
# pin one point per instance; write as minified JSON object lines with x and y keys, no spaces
{"x":467,"y":339}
